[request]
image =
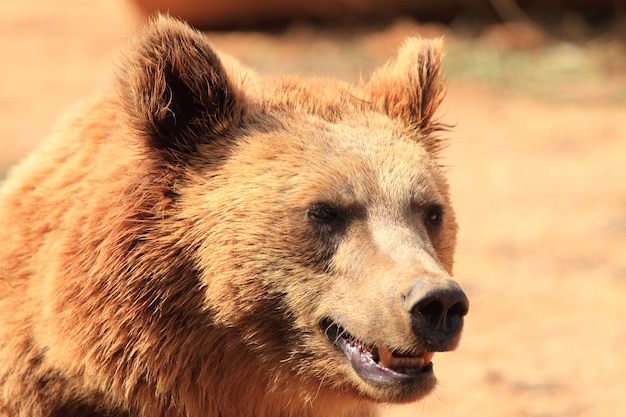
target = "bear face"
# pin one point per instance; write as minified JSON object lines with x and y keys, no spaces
{"x":358,"y":225}
{"x":230,"y":245}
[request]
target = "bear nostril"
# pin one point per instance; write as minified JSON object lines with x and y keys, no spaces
{"x":459,"y":309}
{"x":433,"y":312}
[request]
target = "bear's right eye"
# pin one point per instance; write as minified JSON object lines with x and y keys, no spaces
{"x":323,"y":213}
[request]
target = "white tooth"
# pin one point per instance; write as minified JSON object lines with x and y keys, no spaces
{"x":385,"y":357}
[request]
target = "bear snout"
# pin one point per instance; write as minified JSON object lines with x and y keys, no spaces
{"x":437,"y":307}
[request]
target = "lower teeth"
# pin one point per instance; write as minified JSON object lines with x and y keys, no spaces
{"x":388,"y":360}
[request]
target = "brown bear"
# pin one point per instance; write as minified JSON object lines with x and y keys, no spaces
{"x":200,"y":241}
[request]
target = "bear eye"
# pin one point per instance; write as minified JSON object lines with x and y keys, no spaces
{"x":323,"y":213}
{"x":433,"y":216}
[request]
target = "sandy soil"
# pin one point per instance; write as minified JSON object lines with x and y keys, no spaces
{"x":539,"y":186}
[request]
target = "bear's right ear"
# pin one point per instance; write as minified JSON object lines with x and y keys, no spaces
{"x":174,"y":88}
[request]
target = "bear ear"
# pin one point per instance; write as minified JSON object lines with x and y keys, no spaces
{"x":174,"y":88}
{"x":411,"y":87}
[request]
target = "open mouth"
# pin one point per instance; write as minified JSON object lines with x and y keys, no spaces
{"x":378,"y":363}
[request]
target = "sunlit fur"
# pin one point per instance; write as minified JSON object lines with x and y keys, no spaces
{"x":156,"y":258}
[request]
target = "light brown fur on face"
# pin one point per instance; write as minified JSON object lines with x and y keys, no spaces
{"x":200,"y":241}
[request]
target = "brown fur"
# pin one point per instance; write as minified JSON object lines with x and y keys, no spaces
{"x":157,"y":258}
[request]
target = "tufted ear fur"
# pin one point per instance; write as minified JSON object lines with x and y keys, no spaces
{"x":411,"y":87}
{"x":174,"y":88}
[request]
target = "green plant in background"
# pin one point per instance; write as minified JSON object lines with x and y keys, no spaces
{"x":556,"y":71}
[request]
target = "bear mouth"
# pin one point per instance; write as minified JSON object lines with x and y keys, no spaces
{"x":378,"y":363}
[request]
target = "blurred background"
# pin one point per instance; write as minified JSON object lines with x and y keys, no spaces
{"x":536,"y":161}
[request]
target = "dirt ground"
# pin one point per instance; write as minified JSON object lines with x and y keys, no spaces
{"x":538,"y":177}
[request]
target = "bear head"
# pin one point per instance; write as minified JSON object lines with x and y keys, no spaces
{"x":281,"y":246}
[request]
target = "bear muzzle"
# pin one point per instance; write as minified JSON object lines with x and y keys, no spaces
{"x":436,"y":308}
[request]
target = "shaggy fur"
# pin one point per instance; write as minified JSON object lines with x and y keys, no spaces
{"x":172,"y":249}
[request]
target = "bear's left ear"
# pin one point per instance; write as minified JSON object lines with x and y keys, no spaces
{"x":411,"y":87}
{"x":174,"y":88}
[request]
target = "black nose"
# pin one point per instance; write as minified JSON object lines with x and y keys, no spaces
{"x":437,"y":307}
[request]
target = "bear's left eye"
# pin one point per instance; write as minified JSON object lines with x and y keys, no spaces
{"x":323,"y":213}
{"x":433,"y":216}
